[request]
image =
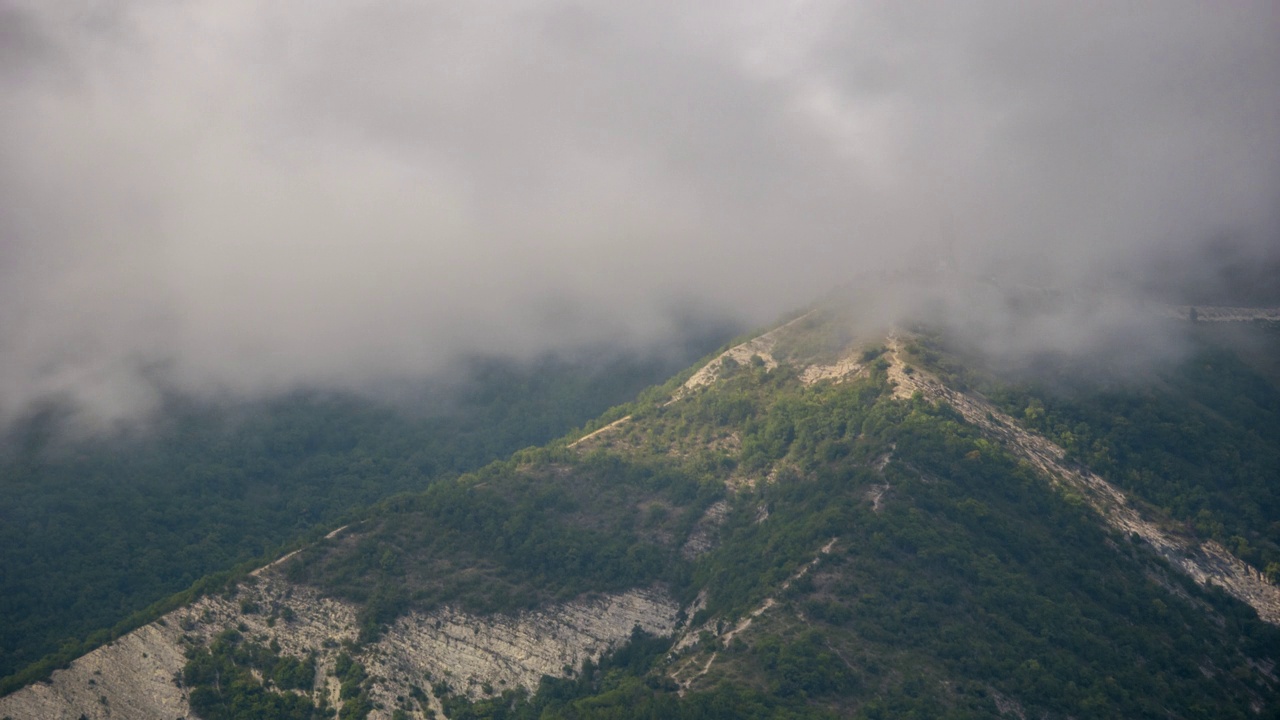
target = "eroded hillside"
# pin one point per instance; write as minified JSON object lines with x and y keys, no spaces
{"x":812,"y":524}
{"x":141,"y":675}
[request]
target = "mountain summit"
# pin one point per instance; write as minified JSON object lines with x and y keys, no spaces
{"x":818,"y":521}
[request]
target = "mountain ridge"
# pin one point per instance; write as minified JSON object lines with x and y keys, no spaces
{"x":701,"y":493}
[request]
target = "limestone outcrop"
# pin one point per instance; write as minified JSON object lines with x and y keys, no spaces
{"x":138,"y":677}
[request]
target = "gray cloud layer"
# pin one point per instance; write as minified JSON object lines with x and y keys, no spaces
{"x":247,"y":196}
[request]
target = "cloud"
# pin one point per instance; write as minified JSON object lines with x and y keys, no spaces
{"x":246,"y":197}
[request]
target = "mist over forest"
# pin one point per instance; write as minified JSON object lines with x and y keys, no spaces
{"x":583,"y":359}
{"x":236,"y":199}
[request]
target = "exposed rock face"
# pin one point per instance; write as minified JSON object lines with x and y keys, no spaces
{"x":132,"y":678}
{"x":703,"y":536}
{"x":137,"y":676}
{"x":761,"y":346}
{"x":502,"y":652}
{"x":596,"y":433}
{"x":838,"y":370}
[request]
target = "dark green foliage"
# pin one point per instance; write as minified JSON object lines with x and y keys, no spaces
{"x":803,"y":667}
{"x":621,"y":687}
{"x":975,"y":583}
{"x":972,"y":589}
{"x":356,"y":708}
{"x":222,"y":686}
{"x":988,"y":576}
{"x":1203,"y":444}
{"x":353,"y":690}
{"x":350,"y":674}
{"x":95,"y":531}
{"x":291,"y":673}
{"x":511,"y":538}
{"x":977,"y":571}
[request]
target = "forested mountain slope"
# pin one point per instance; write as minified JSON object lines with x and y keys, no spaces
{"x":97,"y":528}
{"x":813,"y":524}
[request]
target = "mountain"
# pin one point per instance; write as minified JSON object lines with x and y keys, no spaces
{"x":815,"y":522}
{"x":97,"y":527}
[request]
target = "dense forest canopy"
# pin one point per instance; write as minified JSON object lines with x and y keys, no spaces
{"x":955,"y":582}
{"x":911,"y":565}
{"x":1198,"y":438}
{"x":96,"y":529}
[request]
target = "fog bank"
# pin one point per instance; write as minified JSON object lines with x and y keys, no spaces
{"x":244,"y":197}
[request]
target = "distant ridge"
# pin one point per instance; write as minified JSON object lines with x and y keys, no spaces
{"x":1219,"y":313}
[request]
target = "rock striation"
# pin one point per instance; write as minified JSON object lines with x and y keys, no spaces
{"x":138,"y":677}
{"x":424,"y":654}
{"x":471,"y":653}
{"x":132,"y":678}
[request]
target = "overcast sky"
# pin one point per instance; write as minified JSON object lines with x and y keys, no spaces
{"x":251,"y":195}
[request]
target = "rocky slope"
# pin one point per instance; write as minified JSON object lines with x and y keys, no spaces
{"x":422,"y":657}
{"x":138,"y":676}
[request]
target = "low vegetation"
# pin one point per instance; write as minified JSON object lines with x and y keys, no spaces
{"x":971,"y":588}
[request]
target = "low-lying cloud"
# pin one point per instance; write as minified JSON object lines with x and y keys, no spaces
{"x":246,"y":197}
